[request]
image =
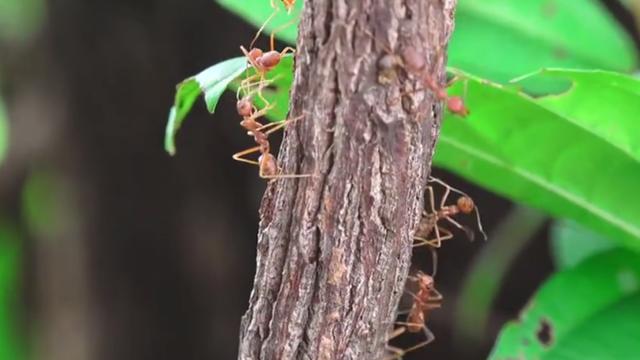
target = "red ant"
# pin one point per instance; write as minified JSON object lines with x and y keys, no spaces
{"x":426,"y":299}
{"x":288,"y":4}
{"x":267,"y":163}
{"x":414,"y":63}
{"x":429,"y":221}
{"x":262,"y":62}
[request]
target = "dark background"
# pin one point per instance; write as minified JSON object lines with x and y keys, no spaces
{"x":145,"y":256}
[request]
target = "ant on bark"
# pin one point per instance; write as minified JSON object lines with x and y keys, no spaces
{"x":429,"y":221}
{"x":414,"y":63}
{"x":267,"y":163}
{"x":426,"y":299}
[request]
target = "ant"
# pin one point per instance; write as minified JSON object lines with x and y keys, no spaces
{"x":267,"y":163}
{"x":429,"y":221}
{"x":288,"y":5}
{"x":262,"y":63}
{"x":426,"y":299}
{"x":414,"y":63}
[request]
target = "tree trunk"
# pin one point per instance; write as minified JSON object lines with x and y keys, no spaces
{"x":334,"y":249}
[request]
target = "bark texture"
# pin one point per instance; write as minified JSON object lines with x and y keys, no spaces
{"x":334,"y":249}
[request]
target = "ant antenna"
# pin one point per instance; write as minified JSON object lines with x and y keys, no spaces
{"x":255,"y":38}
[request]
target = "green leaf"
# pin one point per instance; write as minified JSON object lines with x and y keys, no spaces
{"x":501,"y":39}
{"x":212,"y":82}
{"x":603,"y":103}
{"x":522,"y":36}
{"x":43,"y":209}
{"x":11,"y":343}
{"x":572,"y":243}
{"x":4,"y":132}
{"x":586,"y":312}
{"x":518,"y":147}
{"x":19,"y":19}
{"x":257,"y":12}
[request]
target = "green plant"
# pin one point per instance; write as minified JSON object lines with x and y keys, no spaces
{"x":564,"y":139}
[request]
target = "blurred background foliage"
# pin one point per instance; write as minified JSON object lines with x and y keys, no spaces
{"x":110,"y":249}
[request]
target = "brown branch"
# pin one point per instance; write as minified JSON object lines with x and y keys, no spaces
{"x":334,"y":249}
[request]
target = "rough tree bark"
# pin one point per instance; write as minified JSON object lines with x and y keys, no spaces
{"x":334,"y":249}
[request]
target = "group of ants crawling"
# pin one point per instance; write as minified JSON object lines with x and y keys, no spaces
{"x":430,"y":231}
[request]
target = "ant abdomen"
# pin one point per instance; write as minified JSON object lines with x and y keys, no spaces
{"x":268,"y":165}
{"x":413,"y":61}
{"x":269,"y":60}
{"x":455,"y":104}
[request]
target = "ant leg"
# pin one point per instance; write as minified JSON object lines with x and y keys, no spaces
{"x":262,"y":112}
{"x":408,"y":324}
{"x":397,"y":353}
{"x":453,"y":79}
{"x":287,"y":50}
{"x":279,"y":125}
{"x":437,"y":241}
{"x":420,"y":241}
{"x":403,"y":312}
{"x":429,"y":338}
{"x":435,"y":296}
{"x":466,"y":230}
{"x":440,"y":238}
{"x":397,"y":332}
{"x":239,"y":155}
{"x":275,"y":126}
{"x":414,"y":296}
{"x":284,"y":176}
{"x":444,"y":184}
{"x":444,"y":197}
{"x":272,"y":37}
{"x":432,"y":198}
{"x":434,"y":261}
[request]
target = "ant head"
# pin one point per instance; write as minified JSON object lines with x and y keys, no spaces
{"x":424,"y":280}
{"x":244,"y":107}
{"x":269,"y":60}
{"x":465,"y":204}
{"x":456,"y":106}
{"x":268,"y":165}
{"x":255,"y":53}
